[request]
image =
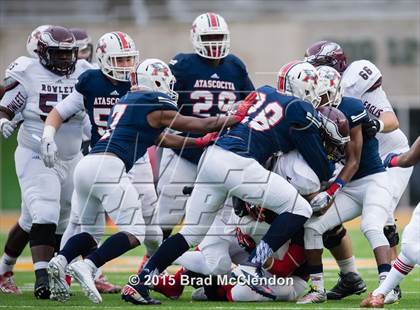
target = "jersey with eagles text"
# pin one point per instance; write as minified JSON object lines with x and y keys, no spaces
{"x":363,"y":80}
{"x":206,"y":90}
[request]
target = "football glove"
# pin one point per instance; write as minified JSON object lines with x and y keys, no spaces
{"x":7,"y":127}
{"x":391,"y":160}
{"x":371,"y":128}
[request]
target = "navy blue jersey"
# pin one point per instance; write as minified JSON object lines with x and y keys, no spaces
{"x":370,"y":161}
{"x":279,"y":123}
{"x":100,"y":95}
{"x":129,"y":134}
{"x":206,"y":90}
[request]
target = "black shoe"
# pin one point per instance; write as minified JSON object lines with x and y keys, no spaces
{"x":42,"y":284}
{"x":347,"y":284}
{"x":138,"y":295}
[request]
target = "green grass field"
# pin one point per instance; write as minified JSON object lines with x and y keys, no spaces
{"x":410,"y":287}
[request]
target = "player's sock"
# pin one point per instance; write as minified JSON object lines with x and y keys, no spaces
{"x":7,"y":263}
{"x":113,"y":247}
{"x":383,"y":271}
{"x":80,"y":244}
{"x":400,"y":269}
{"x":40,"y":265}
{"x":284,"y":226}
{"x":171,"y":249}
{"x":347,"y":265}
{"x":57,"y":242}
{"x":316,"y":273}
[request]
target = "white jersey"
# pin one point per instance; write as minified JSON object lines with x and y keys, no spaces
{"x":358,"y":78}
{"x":37,"y":93}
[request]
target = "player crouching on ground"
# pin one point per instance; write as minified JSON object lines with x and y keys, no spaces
{"x":137,"y":122}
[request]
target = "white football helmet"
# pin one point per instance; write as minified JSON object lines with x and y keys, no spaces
{"x":210,"y":36}
{"x":154,"y":75}
{"x":110,"y":47}
{"x":299,"y":79}
{"x":32,"y":42}
{"x":329,"y":86}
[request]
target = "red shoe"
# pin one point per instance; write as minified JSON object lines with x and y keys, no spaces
{"x":8,"y":284}
{"x":143,"y":263}
{"x":104,"y":287}
{"x":373,"y":301}
{"x":170,"y":285}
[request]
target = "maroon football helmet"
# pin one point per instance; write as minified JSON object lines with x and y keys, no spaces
{"x":335,"y":131}
{"x":84,"y":43}
{"x":57,"y":50}
{"x":326,"y":53}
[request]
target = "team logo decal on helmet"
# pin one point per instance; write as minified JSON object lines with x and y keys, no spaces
{"x":299,"y":79}
{"x":112,"y":51}
{"x":329,"y":86}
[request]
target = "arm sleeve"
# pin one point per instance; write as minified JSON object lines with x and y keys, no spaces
{"x":87,"y":128}
{"x":72,"y":104}
{"x":14,"y":99}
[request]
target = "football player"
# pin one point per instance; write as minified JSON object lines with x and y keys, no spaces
{"x":233,"y":166}
{"x":96,"y":92}
{"x":18,"y":238}
{"x":36,"y":85}
{"x":363,"y":190}
{"x":410,"y":247}
{"x":363,"y":80}
{"x":84,"y":43}
{"x":208,"y":81}
{"x":136,"y":122}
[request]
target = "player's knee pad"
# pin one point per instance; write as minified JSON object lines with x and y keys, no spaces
{"x":42,"y":234}
{"x":313,"y":239}
{"x":153,"y":239}
{"x":392,"y":235}
{"x":375,"y":237}
{"x":332,"y":238}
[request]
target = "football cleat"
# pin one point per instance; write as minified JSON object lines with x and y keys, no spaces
{"x":199,"y":295}
{"x":347,"y":284}
{"x":42,"y":284}
{"x":138,"y":295}
{"x":170,"y":285}
{"x":8,"y":284}
{"x":393,"y":296}
{"x":143,"y":263}
{"x":105,"y":287}
{"x":313,"y":297}
{"x":60,"y":290}
{"x":82,"y":272}
{"x":373,"y":301}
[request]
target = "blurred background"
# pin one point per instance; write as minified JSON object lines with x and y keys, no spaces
{"x":264,"y":34}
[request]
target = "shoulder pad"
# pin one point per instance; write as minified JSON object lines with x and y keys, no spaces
{"x":359,"y":77}
{"x":84,"y":79}
{"x":236,"y":61}
{"x":21,"y":64}
{"x":266,"y":89}
{"x":179,"y":60}
{"x":302,"y":114}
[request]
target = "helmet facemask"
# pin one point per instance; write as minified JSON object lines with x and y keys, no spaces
{"x":118,"y":66}
{"x":212,"y":46}
{"x":329,"y":86}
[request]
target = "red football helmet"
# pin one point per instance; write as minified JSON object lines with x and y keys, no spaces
{"x":325,"y":53}
{"x":57,"y":50}
{"x":335,"y":131}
